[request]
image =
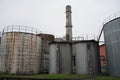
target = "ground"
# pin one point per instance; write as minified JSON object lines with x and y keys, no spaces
{"x":60,"y":76}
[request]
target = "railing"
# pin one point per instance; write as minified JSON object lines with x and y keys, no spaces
{"x":19,"y":28}
{"x":79,"y":38}
{"x":111,"y":17}
{"x":85,"y":37}
{"x":106,"y":20}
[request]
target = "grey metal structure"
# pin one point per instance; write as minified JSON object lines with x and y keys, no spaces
{"x":112,"y":40}
{"x":60,"y":57}
{"x":53,"y":69}
{"x":20,"y":47}
{"x":87,"y":57}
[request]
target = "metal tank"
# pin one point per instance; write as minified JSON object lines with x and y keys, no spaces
{"x":60,"y":58}
{"x":20,"y":47}
{"x":87,"y":57}
{"x":53,"y":59}
{"x":112,"y":40}
{"x":46,"y":39}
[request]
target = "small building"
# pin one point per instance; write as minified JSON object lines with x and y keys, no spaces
{"x":103,"y":59}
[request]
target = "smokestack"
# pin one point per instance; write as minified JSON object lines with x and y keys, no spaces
{"x":68,"y":23}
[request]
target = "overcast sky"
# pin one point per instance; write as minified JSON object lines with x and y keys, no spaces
{"x":49,"y":15}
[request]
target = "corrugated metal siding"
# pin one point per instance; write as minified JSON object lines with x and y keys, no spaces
{"x":112,"y":40}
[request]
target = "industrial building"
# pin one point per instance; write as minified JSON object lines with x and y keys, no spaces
{"x":25,"y":50}
{"x":103,"y":59}
{"x":80,"y":57}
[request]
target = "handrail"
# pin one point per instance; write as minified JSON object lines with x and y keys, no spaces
{"x":106,"y":20}
{"x":19,"y":28}
{"x":111,"y":17}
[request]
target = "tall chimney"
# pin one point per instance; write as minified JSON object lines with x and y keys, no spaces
{"x":68,"y":23}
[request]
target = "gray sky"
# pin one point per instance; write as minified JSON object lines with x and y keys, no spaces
{"x":49,"y":15}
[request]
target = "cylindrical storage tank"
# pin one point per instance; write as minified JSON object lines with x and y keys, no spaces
{"x":112,"y":40}
{"x":87,"y":57}
{"x":46,"y":39}
{"x":20,"y":51}
{"x":60,"y":58}
{"x":53,"y":67}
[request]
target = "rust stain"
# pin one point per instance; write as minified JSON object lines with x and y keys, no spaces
{"x":30,"y":53}
{"x":31,"y":42}
{"x":12,"y":53}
